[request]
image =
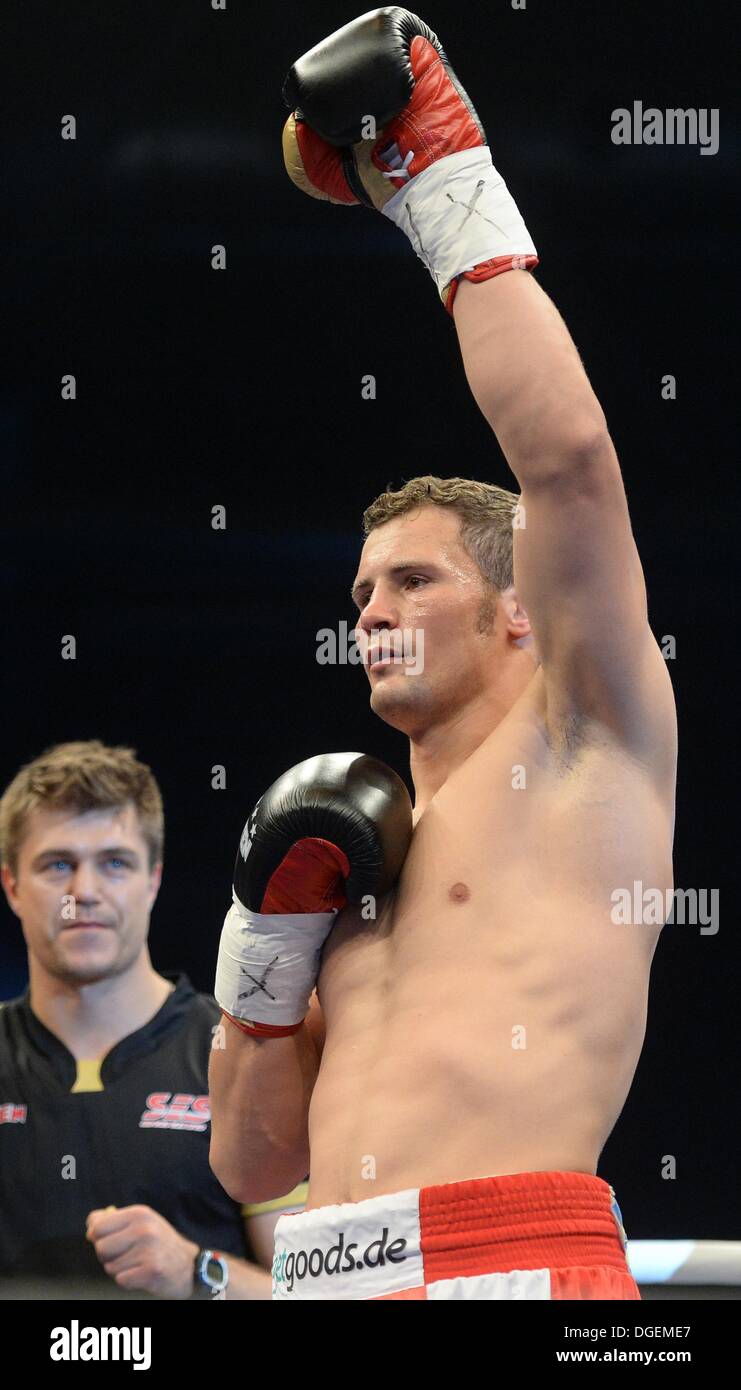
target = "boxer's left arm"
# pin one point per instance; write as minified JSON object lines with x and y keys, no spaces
{"x":576,"y":567}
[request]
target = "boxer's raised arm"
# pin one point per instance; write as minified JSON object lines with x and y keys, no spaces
{"x":576,"y":567}
{"x":430,"y":172}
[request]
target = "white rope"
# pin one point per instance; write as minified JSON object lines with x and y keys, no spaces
{"x":685,"y":1261}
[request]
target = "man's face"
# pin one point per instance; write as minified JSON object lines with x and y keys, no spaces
{"x":414,"y":578}
{"x":83,"y":891}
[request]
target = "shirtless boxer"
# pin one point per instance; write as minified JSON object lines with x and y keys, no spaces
{"x":483,"y":1030}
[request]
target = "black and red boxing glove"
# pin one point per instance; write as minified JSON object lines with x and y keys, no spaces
{"x":380,"y":118}
{"x":331,"y":831}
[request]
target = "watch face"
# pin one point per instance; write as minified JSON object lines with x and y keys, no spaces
{"x":215,"y":1272}
{"x":212,"y":1270}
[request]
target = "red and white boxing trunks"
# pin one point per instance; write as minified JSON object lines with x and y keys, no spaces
{"x":519,"y":1236}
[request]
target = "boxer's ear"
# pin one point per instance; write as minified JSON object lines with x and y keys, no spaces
{"x":518,"y":622}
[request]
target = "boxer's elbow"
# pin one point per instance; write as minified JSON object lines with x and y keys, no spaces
{"x":240,"y":1177}
{"x":254,"y":1178}
{"x":226,"y":1174}
{"x":574,"y":456}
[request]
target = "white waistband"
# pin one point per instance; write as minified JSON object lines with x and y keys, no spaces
{"x":354,"y":1250}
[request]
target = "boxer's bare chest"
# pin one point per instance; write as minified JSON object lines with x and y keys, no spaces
{"x":525,"y":831}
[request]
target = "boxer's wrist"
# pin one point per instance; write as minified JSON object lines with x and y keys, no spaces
{"x":458,"y":214}
{"x":268,"y":965}
{"x":263,"y":1030}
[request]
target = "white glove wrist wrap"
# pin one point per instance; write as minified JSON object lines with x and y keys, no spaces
{"x":459,"y":212}
{"x":268,"y":963}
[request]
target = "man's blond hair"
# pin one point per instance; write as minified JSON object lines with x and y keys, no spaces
{"x":486,"y":515}
{"x":85,"y":776}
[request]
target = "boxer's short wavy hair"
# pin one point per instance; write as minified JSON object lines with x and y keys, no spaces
{"x":79,"y":777}
{"x":486,"y":514}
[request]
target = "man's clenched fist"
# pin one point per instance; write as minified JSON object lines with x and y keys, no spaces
{"x":140,"y":1250}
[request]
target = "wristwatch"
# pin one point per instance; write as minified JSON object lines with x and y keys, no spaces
{"x":210,"y":1274}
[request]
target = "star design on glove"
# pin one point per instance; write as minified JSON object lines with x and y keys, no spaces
{"x":248,"y":834}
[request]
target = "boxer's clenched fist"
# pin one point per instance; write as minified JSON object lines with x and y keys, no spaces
{"x":330,"y":831}
{"x":380,"y":118}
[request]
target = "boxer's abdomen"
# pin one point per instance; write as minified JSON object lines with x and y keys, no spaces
{"x":485,"y":1070}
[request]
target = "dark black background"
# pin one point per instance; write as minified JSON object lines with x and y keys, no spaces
{"x":242,"y":388}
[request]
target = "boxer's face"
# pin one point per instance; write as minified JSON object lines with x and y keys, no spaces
{"x":83,"y":890}
{"x":417,"y":587}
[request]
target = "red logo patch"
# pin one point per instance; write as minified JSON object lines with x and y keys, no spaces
{"x":167,"y":1111}
{"x":12,"y":1114}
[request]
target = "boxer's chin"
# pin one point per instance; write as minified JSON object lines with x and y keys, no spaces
{"x":398,"y":699}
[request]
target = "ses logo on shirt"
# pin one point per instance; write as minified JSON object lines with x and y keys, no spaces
{"x":167,"y":1111}
{"x":12,"y":1114}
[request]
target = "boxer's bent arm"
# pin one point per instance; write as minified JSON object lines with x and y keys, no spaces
{"x":576,"y":567}
{"x":260,"y":1091}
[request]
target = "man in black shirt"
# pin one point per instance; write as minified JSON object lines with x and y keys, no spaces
{"x":104,"y":1108}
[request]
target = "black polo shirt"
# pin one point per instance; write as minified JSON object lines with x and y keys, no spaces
{"x":140,"y":1135}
